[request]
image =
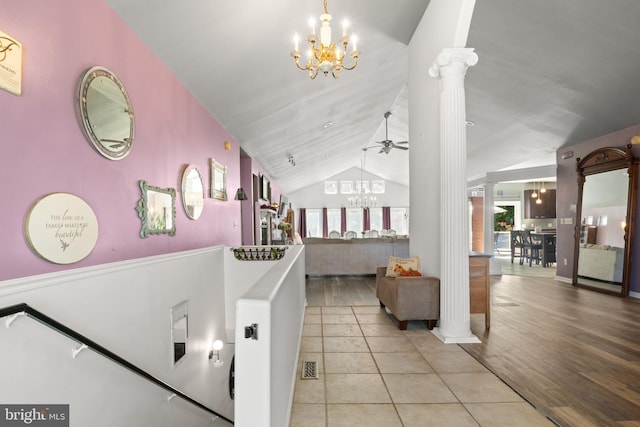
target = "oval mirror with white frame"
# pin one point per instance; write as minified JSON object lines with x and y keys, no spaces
{"x":192,"y":192}
{"x":106,"y":113}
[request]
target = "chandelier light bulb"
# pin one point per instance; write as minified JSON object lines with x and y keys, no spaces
{"x":296,"y":42}
{"x":312,"y":24}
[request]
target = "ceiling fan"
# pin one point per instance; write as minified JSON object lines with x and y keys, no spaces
{"x":386,"y":145}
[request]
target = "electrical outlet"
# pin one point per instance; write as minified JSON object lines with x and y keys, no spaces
{"x":565,"y":261}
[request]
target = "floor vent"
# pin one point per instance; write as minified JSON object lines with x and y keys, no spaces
{"x":310,"y":370}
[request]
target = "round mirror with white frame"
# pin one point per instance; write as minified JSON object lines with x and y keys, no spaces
{"x":106,"y":113}
{"x":192,"y":192}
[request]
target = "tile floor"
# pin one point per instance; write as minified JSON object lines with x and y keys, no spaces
{"x":372,"y":374}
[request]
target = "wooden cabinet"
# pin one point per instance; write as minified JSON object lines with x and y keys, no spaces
{"x":546,"y":209}
{"x":479,"y":295}
{"x":588,"y":234}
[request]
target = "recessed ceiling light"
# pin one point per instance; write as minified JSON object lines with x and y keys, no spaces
{"x":469,"y":123}
{"x":327,"y":125}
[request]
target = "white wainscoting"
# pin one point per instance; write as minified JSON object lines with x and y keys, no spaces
{"x":266,"y":367}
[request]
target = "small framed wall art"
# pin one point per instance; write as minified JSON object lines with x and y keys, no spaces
{"x":218,"y":184}
{"x":61,"y":228}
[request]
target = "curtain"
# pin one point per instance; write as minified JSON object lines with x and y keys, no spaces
{"x":302,"y":223}
{"x":386,"y":218}
{"x":325,"y":225}
{"x":343,"y":220}
{"x":366,"y":219}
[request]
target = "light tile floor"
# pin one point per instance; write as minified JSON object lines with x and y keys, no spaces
{"x":372,"y":374}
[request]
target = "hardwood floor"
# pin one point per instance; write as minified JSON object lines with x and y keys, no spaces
{"x":341,"y":290}
{"x":573,"y":353}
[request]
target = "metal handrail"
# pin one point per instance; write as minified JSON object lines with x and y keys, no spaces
{"x":76,"y":336}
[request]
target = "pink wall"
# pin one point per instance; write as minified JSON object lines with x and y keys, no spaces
{"x":567,"y":194}
{"x":44,"y":149}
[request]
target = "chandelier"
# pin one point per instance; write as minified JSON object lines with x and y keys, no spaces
{"x":361,"y":199}
{"x":323,"y":54}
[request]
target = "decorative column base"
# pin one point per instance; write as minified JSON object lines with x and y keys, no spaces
{"x":447,"y":339}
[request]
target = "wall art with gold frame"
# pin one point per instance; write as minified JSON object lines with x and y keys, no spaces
{"x":218,"y":184}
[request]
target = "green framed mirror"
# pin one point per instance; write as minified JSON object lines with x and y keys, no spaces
{"x":157,"y":210}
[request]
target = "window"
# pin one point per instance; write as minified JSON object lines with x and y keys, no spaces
{"x":331,"y":187}
{"x":314,"y":222}
{"x":375,"y":219}
{"x":400,"y":220}
{"x":333,"y":220}
{"x":354,"y":220}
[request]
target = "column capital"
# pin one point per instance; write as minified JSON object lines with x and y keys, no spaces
{"x":465,"y":57}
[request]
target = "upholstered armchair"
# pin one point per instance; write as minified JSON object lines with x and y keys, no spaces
{"x":409,"y":298}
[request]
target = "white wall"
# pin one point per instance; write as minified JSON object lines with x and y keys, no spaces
{"x":612,"y":233}
{"x":125,"y":307}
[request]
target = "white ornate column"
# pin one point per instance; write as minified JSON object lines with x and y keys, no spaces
{"x":450,"y":67}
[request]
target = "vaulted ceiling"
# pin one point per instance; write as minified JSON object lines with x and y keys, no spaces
{"x":550,"y":74}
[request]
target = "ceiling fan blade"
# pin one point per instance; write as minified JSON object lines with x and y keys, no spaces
{"x":402,"y":142}
{"x":401,"y":148}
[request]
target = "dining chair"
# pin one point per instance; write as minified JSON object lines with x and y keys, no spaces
{"x":350,"y":234}
{"x":532,"y":247}
{"x":334,"y":234}
{"x":517,"y":246}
